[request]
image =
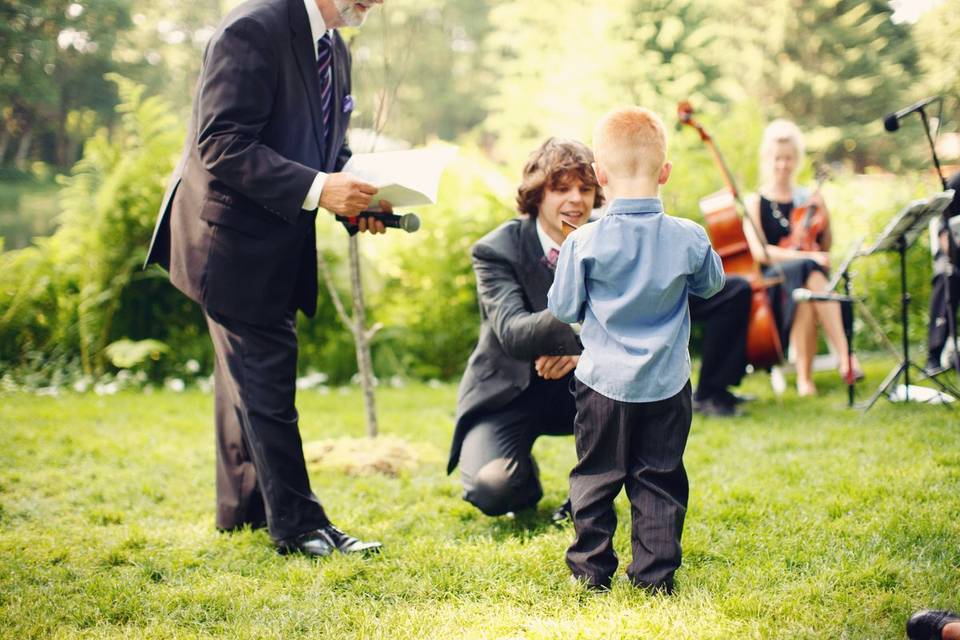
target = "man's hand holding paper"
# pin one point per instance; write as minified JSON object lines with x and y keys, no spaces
{"x":402,"y":178}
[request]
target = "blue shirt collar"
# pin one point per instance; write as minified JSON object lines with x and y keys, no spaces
{"x":635,"y":205}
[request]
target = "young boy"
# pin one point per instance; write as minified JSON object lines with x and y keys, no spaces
{"x":626,"y":277}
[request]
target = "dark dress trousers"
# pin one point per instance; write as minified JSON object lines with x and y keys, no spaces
{"x":639,"y":446}
{"x":502,"y":404}
{"x":232,"y":234}
{"x":945,"y":291}
{"x":725,"y":318}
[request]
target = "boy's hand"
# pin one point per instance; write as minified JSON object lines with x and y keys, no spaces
{"x":555,"y":367}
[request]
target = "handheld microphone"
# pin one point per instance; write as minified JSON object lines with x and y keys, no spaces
{"x":892,"y":121}
{"x":805,"y":295}
{"x":409,"y":222}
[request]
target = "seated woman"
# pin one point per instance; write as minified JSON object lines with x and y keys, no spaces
{"x":781,"y":154}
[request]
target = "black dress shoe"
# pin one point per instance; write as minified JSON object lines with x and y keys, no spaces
{"x":311,"y":543}
{"x":715,"y":407}
{"x":928,"y":624}
{"x":737,"y":398}
{"x":322,"y":542}
{"x":563,"y":514}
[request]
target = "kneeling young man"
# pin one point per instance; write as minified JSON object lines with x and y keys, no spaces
{"x":517,"y":383}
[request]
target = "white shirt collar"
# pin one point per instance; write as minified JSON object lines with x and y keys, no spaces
{"x":317,"y":26}
{"x":545,"y":241}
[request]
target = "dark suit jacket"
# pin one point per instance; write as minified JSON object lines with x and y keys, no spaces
{"x":515,"y":327}
{"x":230,"y":230}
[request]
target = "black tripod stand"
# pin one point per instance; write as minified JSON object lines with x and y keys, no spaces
{"x":898,"y":236}
{"x":892,"y":123}
{"x":951,"y":246}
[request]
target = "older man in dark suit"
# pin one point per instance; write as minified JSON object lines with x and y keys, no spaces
{"x":516,"y":385}
{"x":265,"y":148}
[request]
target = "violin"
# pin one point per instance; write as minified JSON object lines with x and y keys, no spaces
{"x":807,"y":223}
{"x":724,"y":214}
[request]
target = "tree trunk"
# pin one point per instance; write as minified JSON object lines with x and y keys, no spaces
{"x":361,"y":338}
{"x":23,"y":149}
{"x":4,"y":144}
{"x":63,"y":137}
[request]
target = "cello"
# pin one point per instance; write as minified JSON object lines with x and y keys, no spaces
{"x":723,"y":212}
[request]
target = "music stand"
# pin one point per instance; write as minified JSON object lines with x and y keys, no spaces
{"x":899,"y":234}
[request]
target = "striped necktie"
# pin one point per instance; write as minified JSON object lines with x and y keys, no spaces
{"x":324,"y":59}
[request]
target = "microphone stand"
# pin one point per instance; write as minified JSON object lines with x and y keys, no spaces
{"x":951,"y":320}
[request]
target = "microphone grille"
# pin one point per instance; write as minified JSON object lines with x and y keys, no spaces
{"x":891,"y":123}
{"x":410,"y":222}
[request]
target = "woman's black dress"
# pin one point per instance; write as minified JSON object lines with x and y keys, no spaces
{"x":775,"y":222}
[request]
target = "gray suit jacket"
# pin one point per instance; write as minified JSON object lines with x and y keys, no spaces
{"x":230,"y":229}
{"x":515,"y":327}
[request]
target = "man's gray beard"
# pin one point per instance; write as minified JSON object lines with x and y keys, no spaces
{"x":349,"y":15}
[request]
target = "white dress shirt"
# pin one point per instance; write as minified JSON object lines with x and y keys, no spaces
{"x":546,"y":241}
{"x":317,"y":28}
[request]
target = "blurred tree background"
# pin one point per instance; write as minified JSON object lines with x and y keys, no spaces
{"x":94,"y":95}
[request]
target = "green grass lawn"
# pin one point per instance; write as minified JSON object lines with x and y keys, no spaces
{"x":806,"y":520}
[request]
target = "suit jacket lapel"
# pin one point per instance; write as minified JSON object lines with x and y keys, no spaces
{"x":537,"y":275}
{"x":338,"y":68}
{"x":303,"y":53}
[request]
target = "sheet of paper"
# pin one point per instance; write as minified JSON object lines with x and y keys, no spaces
{"x":404,"y":178}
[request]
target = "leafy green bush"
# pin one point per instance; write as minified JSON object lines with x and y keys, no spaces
{"x":861,"y":206}
{"x":428,"y":300}
{"x":73,"y":291}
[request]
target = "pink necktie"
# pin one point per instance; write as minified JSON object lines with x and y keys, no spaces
{"x":552,"y":256}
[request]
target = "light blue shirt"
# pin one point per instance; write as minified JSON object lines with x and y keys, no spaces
{"x":626,"y":278}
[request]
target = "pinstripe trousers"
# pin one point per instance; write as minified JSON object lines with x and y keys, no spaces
{"x":638,"y":446}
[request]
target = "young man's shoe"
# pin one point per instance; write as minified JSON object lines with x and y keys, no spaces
{"x":716,"y":407}
{"x":563,"y":514}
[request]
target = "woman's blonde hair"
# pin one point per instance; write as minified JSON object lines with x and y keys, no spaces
{"x":778,"y":132}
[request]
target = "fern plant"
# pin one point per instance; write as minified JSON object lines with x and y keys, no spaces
{"x":74,"y":280}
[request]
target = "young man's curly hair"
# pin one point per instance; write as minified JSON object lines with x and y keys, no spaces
{"x":550,"y":166}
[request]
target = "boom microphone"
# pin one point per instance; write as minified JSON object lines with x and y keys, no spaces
{"x":409,"y":222}
{"x":892,"y":121}
{"x":804,"y":295}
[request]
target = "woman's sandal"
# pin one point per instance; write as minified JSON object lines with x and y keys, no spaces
{"x":858,"y":373}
